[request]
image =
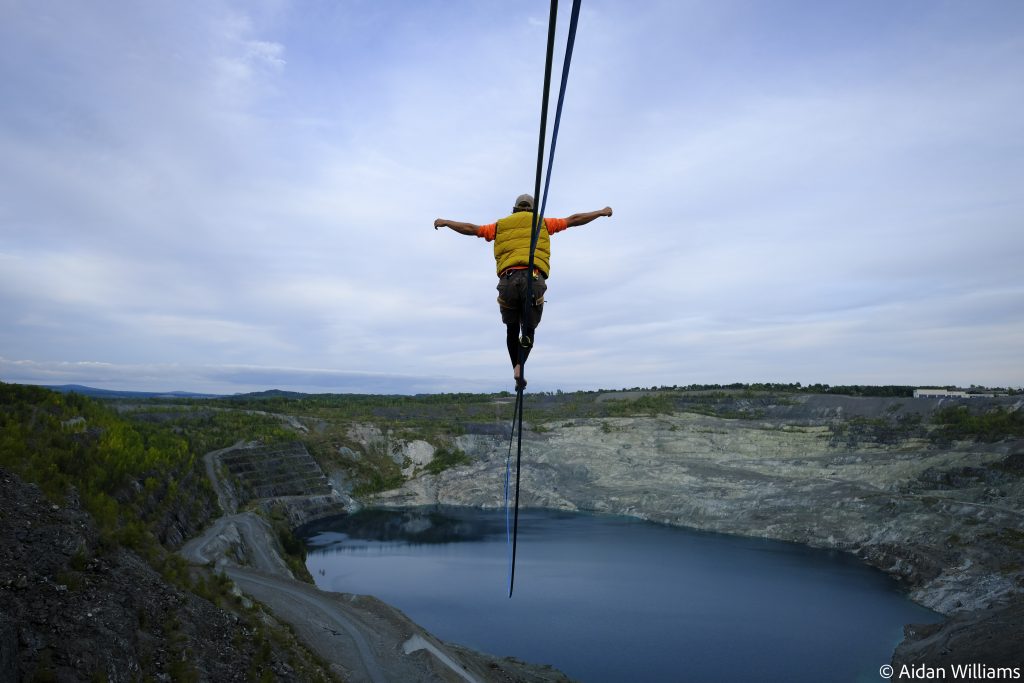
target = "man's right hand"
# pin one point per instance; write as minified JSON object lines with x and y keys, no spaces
{"x":457,"y":226}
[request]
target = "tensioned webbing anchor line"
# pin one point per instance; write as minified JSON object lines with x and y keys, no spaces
{"x":537,"y":224}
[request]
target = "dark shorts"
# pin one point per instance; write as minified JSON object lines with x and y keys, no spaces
{"x":512,"y":294}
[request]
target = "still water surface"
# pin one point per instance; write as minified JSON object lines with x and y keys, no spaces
{"x":616,"y":599}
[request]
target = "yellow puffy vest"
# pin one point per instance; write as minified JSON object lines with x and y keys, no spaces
{"x":512,"y":243}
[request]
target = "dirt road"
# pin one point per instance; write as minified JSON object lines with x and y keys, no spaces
{"x":245,"y":536}
{"x":317,"y":619}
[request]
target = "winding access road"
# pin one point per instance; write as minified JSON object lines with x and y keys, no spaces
{"x":318,"y":620}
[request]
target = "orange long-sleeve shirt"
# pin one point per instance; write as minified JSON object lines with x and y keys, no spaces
{"x":552,"y":225}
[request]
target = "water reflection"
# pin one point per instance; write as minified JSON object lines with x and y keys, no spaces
{"x":413,"y":526}
{"x":600,"y":596}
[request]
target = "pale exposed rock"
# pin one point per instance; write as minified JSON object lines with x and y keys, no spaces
{"x":416,"y":454}
{"x":366,"y":434}
{"x":409,"y":455}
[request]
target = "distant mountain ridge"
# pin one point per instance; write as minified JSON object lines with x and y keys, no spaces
{"x":93,"y":392}
{"x":113,"y":393}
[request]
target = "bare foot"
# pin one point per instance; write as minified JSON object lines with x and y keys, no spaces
{"x":517,"y":373}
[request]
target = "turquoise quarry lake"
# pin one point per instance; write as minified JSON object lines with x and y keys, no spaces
{"x":617,"y":599}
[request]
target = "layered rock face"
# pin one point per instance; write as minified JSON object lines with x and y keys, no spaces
{"x":276,"y":470}
{"x":943,"y":519}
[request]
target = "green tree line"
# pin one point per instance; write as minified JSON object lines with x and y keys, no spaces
{"x":127,"y":475}
{"x":960,"y":422}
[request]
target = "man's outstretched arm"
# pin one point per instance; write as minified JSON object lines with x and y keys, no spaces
{"x":584,"y":218}
{"x":459,"y":227}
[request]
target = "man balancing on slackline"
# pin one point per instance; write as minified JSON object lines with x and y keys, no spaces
{"x":511,"y":237}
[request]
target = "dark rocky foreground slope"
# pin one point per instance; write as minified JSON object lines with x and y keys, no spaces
{"x":74,"y":609}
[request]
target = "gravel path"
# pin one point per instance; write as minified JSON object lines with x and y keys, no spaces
{"x":227,"y":503}
{"x":320,"y":621}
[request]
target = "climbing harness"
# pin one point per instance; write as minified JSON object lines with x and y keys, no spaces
{"x":537,"y":224}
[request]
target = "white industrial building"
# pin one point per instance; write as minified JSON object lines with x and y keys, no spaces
{"x":939,"y":393}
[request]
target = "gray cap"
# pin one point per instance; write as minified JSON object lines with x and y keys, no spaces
{"x":524,"y":202}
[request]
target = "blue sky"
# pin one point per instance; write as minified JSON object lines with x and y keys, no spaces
{"x":232,"y":196}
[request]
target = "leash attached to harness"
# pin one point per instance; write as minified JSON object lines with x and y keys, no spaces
{"x":537,"y":224}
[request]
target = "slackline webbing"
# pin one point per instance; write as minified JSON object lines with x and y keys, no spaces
{"x":537,"y":224}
